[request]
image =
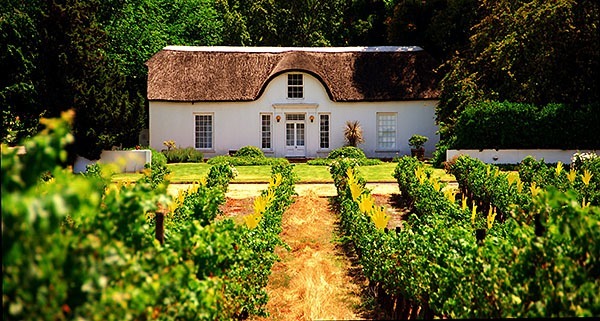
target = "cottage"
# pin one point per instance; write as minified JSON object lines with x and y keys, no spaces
{"x":291,"y":102}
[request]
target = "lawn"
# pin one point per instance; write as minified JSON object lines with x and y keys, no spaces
{"x":191,"y":172}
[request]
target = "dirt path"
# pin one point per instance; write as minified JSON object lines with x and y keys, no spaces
{"x":313,"y":280}
{"x":239,"y":191}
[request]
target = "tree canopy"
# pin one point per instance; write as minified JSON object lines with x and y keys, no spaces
{"x":89,"y":55}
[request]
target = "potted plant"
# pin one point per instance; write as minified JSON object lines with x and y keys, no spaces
{"x":416,"y":143}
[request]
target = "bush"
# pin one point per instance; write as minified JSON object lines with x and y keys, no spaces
{"x":417,"y":141}
{"x":516,"y":125}
{"x":348,"y":152}
{"x":183,"y":155}
{"x":158,"y":169}
{"x":246,"y":161}
{"x":250,"y":151}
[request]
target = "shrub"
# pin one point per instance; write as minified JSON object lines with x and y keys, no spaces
{"x":250,"y":151}
{"x":158,"y":169}
{"x":516,"y":125}
{"x":348,"y":152}
{"x":352,"y":152}
{"x":417,"y":141}
{"x":183,"y":155}
{"x":246,"y":161}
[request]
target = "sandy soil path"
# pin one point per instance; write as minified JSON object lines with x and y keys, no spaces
{"x":315,"y":279}
{"x":240,"y":191}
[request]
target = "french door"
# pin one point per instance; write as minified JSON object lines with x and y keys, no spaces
{"x":295,"y":132}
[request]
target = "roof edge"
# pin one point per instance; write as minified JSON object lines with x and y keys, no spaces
{"x":286,"y":49}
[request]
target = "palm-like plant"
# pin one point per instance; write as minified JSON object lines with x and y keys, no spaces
{"x":353,"y":133}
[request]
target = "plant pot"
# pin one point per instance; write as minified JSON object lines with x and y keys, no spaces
{"x":419,"y":153}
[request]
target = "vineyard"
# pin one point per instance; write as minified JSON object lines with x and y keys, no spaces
{"x":500,"y":245}
{"x":75,"y":246}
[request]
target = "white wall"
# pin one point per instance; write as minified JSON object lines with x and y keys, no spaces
{"x":237,"y":124}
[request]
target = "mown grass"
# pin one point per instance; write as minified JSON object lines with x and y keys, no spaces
{"x":192,"y":172}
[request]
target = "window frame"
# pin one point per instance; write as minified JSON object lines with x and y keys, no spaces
{"x":328,"y":132}
{"x":270,"y":132}
{"x":382,"y":134}
{"x":212,"y":132}
{"x":293,"y":89}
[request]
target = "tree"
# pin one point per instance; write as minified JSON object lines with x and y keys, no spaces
{"x":281,"y":23}
{"x":536,"y":52}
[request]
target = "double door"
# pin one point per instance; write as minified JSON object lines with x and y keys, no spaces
{"x":295,"y":133}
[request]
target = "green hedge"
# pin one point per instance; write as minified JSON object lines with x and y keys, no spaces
{"x":246,"y":160}
{"x":503,"y":125}
{"x":351,"y":152}
{"x":184,"y":155}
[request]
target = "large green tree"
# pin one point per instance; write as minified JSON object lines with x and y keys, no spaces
{"x":535,"y":52}
{"x":282,"y":23}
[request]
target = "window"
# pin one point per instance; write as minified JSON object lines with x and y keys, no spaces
{"x":324,"y":131}
{"x":386,"y":130}
{"x":204,"y":131}
{"x":295,"y":86}
{"x":265,"y":129}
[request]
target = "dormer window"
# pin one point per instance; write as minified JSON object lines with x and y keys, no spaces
{"x":295,"y":86}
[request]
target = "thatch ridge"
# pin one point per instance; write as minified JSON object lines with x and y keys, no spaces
{"x":230,"y":75}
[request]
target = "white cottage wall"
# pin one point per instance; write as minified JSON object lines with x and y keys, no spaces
{"x":237,"y":124}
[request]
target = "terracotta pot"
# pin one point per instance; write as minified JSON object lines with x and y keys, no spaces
{"x":419,"y":153}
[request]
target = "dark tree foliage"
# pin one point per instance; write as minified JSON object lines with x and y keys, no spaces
{"x":534,"y":52}
{"x":58,"y":63}
{"x":90,"y":55}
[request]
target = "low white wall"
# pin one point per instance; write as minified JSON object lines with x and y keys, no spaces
{"x":128,"y":161}
{"x":515,"y":156}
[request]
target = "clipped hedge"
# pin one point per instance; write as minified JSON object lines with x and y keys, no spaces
{"x":246,"y":161}
{"x":351,"y":152}
{"x":504,"y":125}
{"x":250,"y":151}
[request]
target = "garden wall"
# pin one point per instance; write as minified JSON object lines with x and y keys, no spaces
{"x":515,"y":156}
{"x":128,"y":161}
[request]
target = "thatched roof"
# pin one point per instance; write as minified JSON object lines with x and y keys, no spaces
{"x":242,"y":73}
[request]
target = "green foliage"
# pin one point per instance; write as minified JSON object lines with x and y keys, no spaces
{"x":100,"y":257}
{"x":417,"y":141}
{"x":348,"y":152}
{"x":183,"y":155}
{"x":220,"y":175}
{"x":435,"y":264}
{"x":156,"y":172}
{"x":246,"y":161}
{"x":439,"y":154}
{"x":352,"y":152}
{"x":250,"y":151}
{"x":142,"y":28}
{"x":501,"y":62}
{"x":514,"y":125}
{"x":282,"y":23}
{"x":544,"y":175}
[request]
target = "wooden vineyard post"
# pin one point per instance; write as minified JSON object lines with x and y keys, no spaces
{"x":160,"y":226}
